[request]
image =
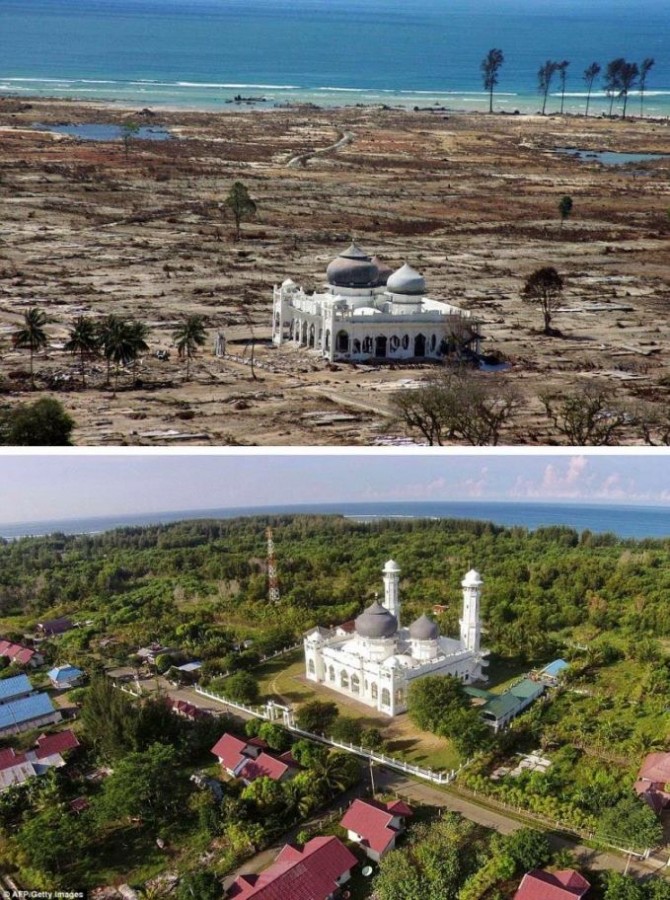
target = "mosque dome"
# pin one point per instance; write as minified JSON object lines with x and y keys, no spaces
{"x":424,"y":629}
{"x":353,"y":268}
{"x":472,"y":579}
{"x":376,"y":622}
{"x":384,"y":272}
{"x":406,"y":280}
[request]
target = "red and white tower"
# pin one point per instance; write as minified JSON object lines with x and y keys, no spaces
{"x":273,"y":581}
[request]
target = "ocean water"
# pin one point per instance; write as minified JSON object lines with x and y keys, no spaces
{"x":625,"y":521}
{"x":201,"y":53}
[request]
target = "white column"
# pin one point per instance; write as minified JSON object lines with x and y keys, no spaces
{"x":471,"y":623}
{"x":392,"y":588}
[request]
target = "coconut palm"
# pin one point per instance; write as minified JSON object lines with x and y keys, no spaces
{"x":590,"y":74}
{"x":83,"y":341}
{"x":121,"y":345}
{"x":188,"y":337}
{"x":32,"y":336}
{"x":106,"y":332}
{"x":139,"y":332}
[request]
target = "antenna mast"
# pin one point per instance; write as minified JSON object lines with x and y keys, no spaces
{"x":273,"y":581}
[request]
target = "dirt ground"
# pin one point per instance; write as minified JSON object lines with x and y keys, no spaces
{"x":469,"y":200}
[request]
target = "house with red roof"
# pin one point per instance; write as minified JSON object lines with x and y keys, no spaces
{"x":15,"y":768}
{"x":19,"y":654}
{"x":249,"y":760}
{"x":186,"y":709}
{"x":653,"y":781}
{"x":233,"y":754}
{"x":375,"y":826}
{"x":278,"y":768}
{"x":317,"y":872}
{"x":567,"y":884}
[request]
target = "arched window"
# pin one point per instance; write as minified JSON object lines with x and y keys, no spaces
{"x":419,"y":345}
{"x":326,"y":345}
{"x":395,"y":343}
{"x":374,"y":690}
{"x":433,"y":342}
{"x":331,"y":673}
{"x":342,"y":342}
{"x":405,"y":341}
{"x":312,"y":335}
{"x":380,"y":346}
{"x":344,"y":680}
{"x":310,"y":667}
{"x":355,"y":684}
{"x":386,"y":697}
{"x":303,"y":339}
{"x":357,"y":345}
{"x":367,"y":345}
{"x":399,"y":696}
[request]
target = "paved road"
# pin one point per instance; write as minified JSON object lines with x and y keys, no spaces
{"x":396,"y":782}
{"x":494,"y":819}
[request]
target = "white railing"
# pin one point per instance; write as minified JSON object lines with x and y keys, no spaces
{"x":272,"y":711}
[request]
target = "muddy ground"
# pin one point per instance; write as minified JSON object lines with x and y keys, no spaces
{"x":469,"y":200}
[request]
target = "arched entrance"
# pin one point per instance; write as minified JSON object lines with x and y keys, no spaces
{"x":380,"y":346}
{"x":420,"y":345}
{"x":342,"y":342}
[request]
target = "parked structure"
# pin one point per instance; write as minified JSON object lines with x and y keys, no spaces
{"x":367,"y":311}
{"x":376,"y":664}
{"x":54,"y":627}
{"x":317,"y":872}
{"x":375,"y":826}
{"x":498,"y":710}
{"x":566,"y":884}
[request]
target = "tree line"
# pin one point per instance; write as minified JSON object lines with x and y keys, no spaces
{"x":619,"y":78}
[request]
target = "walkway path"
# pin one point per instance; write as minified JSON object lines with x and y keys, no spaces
{"x":345,"y":137}
{"x":448,"y":798}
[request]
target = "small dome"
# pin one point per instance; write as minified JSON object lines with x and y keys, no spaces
{"x":376,"y":622}
{"x":406,"y":280}
{"x":384,"y":271}
{"x":424,"y":629}
{"x":391,"y":566}
{"x":352,"y":268}
{"x":472,"y":579}
{"x":289,"y":284}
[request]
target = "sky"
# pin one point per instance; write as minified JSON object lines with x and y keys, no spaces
{"x":44,"y":486}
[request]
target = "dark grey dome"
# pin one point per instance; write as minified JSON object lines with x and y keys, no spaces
{"x":353,"y":268}
{"x":424,"y":629}
{"x":384,"y":271}
{"x":376,"y":622}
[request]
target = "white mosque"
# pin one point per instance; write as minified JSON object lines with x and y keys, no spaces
{"x":367,"y":311}
{"x":376,"y":663}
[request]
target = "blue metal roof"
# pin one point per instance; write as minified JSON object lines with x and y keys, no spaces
{"x":555,"y":668}
{"x":13,"y":687}
{"x":18,"y":711}
{"x":64,"y":673}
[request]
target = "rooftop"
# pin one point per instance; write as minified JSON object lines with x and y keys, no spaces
{"x":566,"y":884}
{"x":372,"y":821}
{"x":16,"y":712}
{"x":14,"y":687}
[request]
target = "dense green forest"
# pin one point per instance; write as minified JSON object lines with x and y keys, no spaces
{"x":202,"y":584}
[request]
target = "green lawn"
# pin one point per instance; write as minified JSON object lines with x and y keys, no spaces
{"x":283,"y":679}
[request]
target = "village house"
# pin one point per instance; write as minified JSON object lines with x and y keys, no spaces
{"x":16,"y":768}
{"x":317,"y":872}
{"x":653,"y":781}
{"x":65,"y":677}
{"x":498,"y":710}
{"x":20,"y":654}
{"x":21,"y":708}
{"x":54,"y":627}
{"x":566,"y":884}
{"x":250,"y":759}
{"x":375,"y":826}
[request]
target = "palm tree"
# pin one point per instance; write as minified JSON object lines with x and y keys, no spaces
{"x":106,"y":332}
{"x":83,"y":340}
{"x":188,"y":337}
{"x":32,"y":336}
{"x":562,"y":68}
{"x":490,"y":66}
{"x":644,"y":71}
{"x":590,"y":75}
{"x":329,"y":777}
{"x":121,"y":346}
{"x":544,"y":77}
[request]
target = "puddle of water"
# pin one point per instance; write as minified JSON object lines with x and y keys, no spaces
{"x":609,"y":157}
{"x":105,"y":132}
